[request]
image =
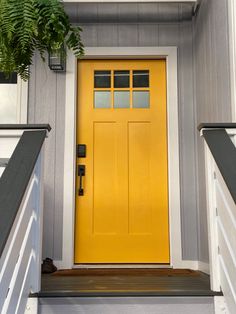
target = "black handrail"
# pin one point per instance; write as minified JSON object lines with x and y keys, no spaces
{"x":217,"y":125}
{"x":224,"y":153}
{"x":15,"y":179}
{"x":25,"y":127}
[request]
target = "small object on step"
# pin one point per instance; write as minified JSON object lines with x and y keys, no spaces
{"x":48,"y":267}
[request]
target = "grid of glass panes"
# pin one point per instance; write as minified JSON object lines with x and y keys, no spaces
{"x":121,"y":89}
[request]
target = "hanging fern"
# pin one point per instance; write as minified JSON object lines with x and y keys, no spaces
{"x":29,"y":25}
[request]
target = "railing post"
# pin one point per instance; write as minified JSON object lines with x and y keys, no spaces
{"x":212,"y":221}
{"x":38,"y":230}
{"x":220,"y":161}
{"x":21,"y":207}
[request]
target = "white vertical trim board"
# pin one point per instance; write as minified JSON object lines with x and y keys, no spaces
{"x":31,"y":306}
{"x":204,"y":267}
{"x":170,"y":54}
{"x":220,"y":305}
{"x":211,"y":220}
{"x":69,"y":164}
{"x":22,"y":101}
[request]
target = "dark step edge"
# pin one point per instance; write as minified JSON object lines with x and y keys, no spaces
{"x":64,"y":294}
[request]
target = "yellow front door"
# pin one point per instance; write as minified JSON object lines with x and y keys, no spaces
{"x":122,"y":212}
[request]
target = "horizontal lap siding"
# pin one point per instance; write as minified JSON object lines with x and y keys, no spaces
{"x":47,"y":101}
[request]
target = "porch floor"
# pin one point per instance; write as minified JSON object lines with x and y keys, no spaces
{"x":126,"y":282}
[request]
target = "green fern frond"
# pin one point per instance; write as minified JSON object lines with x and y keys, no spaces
{"x":29,"y":25}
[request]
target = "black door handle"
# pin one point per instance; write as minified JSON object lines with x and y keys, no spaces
{"x":81,"y":174}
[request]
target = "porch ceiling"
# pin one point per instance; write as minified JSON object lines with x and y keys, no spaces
{"x":135,"y":12}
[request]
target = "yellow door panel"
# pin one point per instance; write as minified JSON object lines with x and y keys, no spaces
{"x":104,"y":173}
{"x":123,"y":215}
{"x":140,"y":215}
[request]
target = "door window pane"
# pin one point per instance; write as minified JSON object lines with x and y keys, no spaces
{"x":121,"y":99}
{"x":141,"y":78}
{"x":102,"y":99}
{"x":121,"y":79}
{"x":141,"y":99}
{"x":102,"y":79}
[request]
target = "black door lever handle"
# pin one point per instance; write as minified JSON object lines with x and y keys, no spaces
{"x":81,"y":174}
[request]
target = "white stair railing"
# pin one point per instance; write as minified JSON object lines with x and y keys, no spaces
{"x":20,"y":260}
{"x":221,"y":211}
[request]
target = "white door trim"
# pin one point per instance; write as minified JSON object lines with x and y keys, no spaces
{"x":170,"y":54}
{"x":22,"y":101}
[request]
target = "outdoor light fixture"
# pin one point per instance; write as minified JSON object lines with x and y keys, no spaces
{"x":57,"y":60}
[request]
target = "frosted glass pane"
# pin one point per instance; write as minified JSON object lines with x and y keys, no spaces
{"x":102,"y":99}
{"x":8,"y":103}
{"x":121,"y":99}
{"x":141,"y":99}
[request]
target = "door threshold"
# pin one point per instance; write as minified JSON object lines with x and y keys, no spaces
{"x":115,"y":266}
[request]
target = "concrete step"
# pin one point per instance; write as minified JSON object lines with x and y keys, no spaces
{"x":127,"y":305}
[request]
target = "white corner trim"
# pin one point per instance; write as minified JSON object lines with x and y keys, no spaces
{"x":22,"y":101}
{"x":185,"y":264}
{"x":31,"y":306}
{"x":170,"y":54}
{"x":69,"y":163}
{"x":211,"y":220}
{"x":220,"y":305}
{"x":60,"y":264}
{"x":173,"y":160}
{"x":204,"y":267}
{"x":232,"y":53}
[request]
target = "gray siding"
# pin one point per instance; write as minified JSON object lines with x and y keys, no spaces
{"x":47,"y":101}
{"x":47,"y":104}
{"x":212,"y":88}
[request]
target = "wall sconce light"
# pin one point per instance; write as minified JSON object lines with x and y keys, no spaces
{"x":57,"y":60}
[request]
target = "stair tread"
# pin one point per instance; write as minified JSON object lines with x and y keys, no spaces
{"x":95,"y":283}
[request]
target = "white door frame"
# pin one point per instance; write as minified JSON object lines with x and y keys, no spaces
{"x":170,"y":54}
{"x":22,"y":101}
